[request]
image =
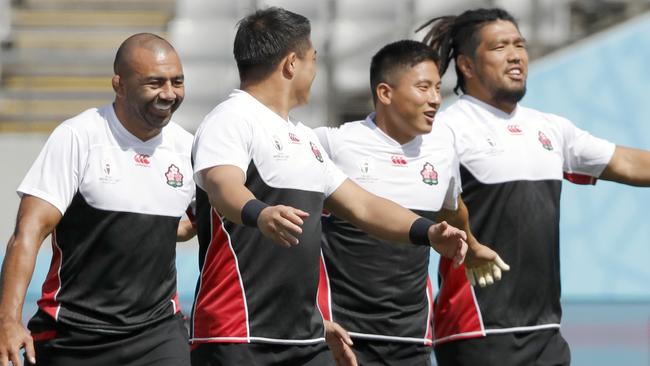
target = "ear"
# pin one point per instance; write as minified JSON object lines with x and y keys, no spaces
{"x":289,"y":65}
{"x":384,"y":93}
{"x":117,"y":85}
{"x":466,"y":66}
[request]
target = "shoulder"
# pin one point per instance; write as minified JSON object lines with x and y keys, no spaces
{"x":182,"y":138}
{"x":88,"y":125}
{"x":545,"y":119}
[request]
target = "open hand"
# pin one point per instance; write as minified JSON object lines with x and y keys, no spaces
{"x":483,"y":265}
{"x":340,"y":344}
{"x":449,"y":242}
{"x":13,"y":337}
{"x":282,"y":224}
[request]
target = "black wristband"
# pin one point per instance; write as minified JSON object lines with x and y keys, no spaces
{"x":419,"y":232}
{"x":251,"y":211}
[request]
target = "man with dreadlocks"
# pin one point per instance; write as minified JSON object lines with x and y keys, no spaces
{"x":512,"y":160}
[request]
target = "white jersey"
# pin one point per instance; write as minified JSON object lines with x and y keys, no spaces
{"x":380,"y":290}
{"x":121,"y":200}
{"x":512,"y":166}
{"x":266,"y":293}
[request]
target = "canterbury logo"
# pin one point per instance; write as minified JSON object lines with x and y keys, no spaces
{"x":398,"y":160}
{"x":514,"y":129}
{"x":142,"y":159}
{"x":294,"y":138}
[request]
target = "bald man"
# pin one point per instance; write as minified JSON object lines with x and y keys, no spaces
{"x":110,"y":185}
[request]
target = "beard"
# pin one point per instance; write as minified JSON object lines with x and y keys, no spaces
{"x":509,"y":96}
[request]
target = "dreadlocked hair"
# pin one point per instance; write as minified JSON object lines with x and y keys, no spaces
{"x":452,"y":36}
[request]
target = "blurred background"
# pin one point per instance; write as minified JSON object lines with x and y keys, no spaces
{"x":589,"y":63}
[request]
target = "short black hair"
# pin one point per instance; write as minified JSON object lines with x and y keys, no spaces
{"x":265,"y":37}
{"x":398,"y":56}
{"x":452,"y":36}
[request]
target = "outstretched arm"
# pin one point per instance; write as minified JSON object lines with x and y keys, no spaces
{"x":227,"y":193}
{"x":390,"y":221}
{"x":628,"y":166}
{"x":36,"y":219}
{"x":482,"y":264}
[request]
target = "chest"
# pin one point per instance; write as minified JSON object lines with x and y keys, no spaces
{"x":499,"y":152}
{"x":143,"y":180}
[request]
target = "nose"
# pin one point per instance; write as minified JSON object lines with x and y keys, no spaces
{"x":435,"y":99}
{"x":167,"y":92}
{"x":515,"y":55}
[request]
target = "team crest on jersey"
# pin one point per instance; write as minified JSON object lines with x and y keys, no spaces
{"x":316,"y":152}
{"x":546,"y":143}
{"x":429,"y":174}
{"x":174,"y":176}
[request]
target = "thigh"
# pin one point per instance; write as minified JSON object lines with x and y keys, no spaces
{"x":376,"y":353}
{"x":166,"y":344}
{"x":253,"y":354}
{"x":162,"y":344}
{"x":509,"y":349}
{"x":555,"y":353}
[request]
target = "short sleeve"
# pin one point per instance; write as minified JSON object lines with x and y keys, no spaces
{"x":57,"y":172}
{"x":323,"y":134}
{"x":334,"y":176}
{"x":222,"y":139}
{"x":582,"y":152}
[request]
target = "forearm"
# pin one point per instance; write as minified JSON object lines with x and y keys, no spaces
{"x":226,"y":191}
{"x":460,"y":219}
{"x":628,"y":166}
{"x":17,"y":270}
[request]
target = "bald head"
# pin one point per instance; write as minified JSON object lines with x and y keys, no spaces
{"x":140,"y":41}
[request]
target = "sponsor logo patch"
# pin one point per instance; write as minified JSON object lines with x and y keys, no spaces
{"x":398,"y":160}
{"x":142,"y":159}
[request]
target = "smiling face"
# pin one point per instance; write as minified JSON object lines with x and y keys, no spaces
{"x":497,"y":73}
{"x":149,"y":91}
{"x":414,"y":99}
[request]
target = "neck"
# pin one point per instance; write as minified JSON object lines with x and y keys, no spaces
{"x":128,"y":123}
{"x":387,"y":125}
{"x":487,"y":98}
{"x":273,"y":94}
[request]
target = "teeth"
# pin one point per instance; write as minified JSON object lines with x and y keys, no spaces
{"x":162,"y":106}
{"x":514,"y":72}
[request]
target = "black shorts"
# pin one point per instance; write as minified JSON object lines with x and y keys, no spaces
{"x":371,"y":353}
{"x":261,"y":354}
{"x":162,"y":344}
{"x":537,"y":348}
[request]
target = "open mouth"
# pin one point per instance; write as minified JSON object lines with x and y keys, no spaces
{"x":515,"y":73}
{"x":429,"y":116}
{"x":162,"y":108}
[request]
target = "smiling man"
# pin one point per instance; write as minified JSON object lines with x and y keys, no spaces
{"x":513,"y":160}
{"x":263,"y":181}
{"x":378,"y":291}
{"x":110,"y":185}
